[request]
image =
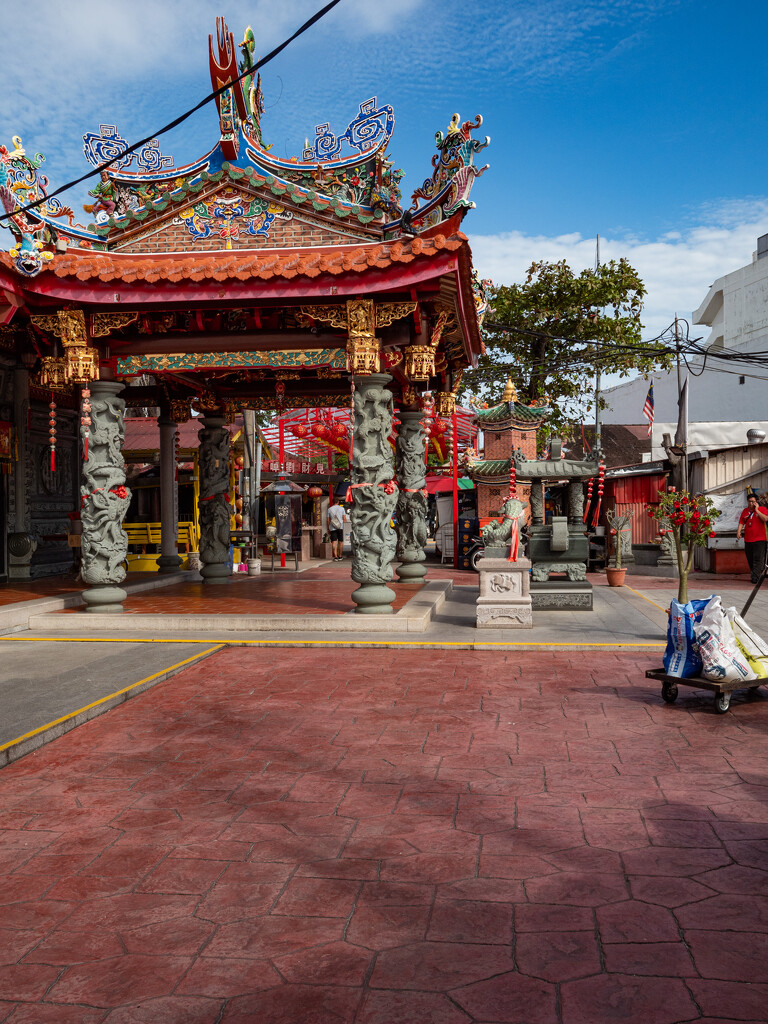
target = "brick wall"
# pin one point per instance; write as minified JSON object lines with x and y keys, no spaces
{"x":499,"y":444}
{"x":301,"y":230}
{"x":490,"y":498}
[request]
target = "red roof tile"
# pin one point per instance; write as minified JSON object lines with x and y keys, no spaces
{"x":245,"y":264}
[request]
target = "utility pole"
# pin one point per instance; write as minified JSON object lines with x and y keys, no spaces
{"x":684,"y":444}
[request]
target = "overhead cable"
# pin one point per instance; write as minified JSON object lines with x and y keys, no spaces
{"x":182,"y":117}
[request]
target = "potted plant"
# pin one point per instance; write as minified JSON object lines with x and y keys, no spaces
{"x":690,"y":518}
{"x":618,"y":521}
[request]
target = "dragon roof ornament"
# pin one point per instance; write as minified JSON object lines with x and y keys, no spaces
{"x":345,"y":175}
{"x":22,"y":184}
{"x":454,"y":173}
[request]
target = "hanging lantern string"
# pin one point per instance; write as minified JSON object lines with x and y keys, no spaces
{"x":512,"y":479}
{"x":52,"y":432}
{"x":588,"y":502}
{"x":600,"y":488}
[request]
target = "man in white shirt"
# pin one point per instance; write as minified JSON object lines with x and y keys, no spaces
{"x":335,"y":520}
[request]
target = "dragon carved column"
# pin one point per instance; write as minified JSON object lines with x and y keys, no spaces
{"x":412,"y":500}
{"x":214,"y":500}
{"x":104,"y":500}
{"x":374,"y":494}
{"x":169,"y":560}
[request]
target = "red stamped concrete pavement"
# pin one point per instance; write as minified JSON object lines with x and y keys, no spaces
{"x":391,"y":837}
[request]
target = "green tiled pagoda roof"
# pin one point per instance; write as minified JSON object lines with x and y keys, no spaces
{"x":507,"y":415}
{"x":489,"y":469}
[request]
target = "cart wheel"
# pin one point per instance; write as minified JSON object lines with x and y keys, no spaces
{"x":669,"y":692}
{"x":722,"y":702}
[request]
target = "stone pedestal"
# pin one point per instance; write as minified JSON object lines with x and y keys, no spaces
{"x":505,"y":599}
{"x":559,"y":595}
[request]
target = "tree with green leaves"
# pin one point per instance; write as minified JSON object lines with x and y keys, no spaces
{"x":552,"y":333}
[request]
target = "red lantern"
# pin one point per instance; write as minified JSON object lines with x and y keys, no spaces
{"x":314,"y":491}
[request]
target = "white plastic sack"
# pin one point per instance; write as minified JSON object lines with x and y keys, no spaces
{"x":753,"y":646}
{"x":722,"y":661}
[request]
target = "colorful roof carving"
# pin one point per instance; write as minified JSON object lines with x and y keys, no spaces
{"x":343,"y":179}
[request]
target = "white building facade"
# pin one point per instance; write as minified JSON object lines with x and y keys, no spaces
{"x":724,"y":400}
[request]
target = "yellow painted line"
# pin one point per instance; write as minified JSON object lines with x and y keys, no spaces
{"x":333,"y":643}
{"x":665,"y":610}
{"x":117,"y":693}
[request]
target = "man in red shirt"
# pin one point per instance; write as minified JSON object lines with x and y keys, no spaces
{"x":752,"y":524}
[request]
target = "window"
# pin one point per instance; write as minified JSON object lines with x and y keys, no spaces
{"x":741,"y":380}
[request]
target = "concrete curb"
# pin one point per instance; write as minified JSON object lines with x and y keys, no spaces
{"x":15,"y":617}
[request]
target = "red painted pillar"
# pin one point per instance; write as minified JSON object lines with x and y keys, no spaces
{"x":455,"y":425}
{"x":281,"y":443}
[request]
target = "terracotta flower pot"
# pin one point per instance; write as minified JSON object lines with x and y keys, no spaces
{"x":615,"y":576}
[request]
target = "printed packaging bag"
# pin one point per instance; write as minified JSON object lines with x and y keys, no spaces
{"x":680,"y":658}
{"x":722,"y":661}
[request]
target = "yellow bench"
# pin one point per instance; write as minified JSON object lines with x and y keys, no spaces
{"x":144,"y":534}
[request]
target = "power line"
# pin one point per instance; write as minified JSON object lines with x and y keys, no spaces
{"x":182,"y":117}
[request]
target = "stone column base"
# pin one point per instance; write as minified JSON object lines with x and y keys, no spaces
{"x":505,"y":598}
{"x":169,"y":563}
{"x":411,"y":572}
{"x":373,"y":599}
{"x":107,"y":599}
{"x":215,"y":572}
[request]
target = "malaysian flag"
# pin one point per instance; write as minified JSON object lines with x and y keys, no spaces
{"x":648,"y":408}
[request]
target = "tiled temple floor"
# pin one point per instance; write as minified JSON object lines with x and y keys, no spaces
{"x":314,"y":592}
{"x":285,"y":836}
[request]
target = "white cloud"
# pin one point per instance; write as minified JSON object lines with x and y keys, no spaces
{"x":677,"y":268}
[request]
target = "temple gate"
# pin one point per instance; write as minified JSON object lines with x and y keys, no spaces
{"x":238,"y":281}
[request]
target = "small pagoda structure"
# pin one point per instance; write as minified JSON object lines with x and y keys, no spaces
{"x":241,"y":280}
{"x":559,"y":547}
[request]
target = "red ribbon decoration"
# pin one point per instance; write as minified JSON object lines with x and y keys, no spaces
{"x":389,"y":487}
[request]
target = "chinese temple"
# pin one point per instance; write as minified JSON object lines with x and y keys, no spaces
{"x":239,"y":281}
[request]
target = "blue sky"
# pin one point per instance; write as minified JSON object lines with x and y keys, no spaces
{"x":641,"y":120}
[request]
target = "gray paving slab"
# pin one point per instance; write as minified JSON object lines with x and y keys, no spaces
{"x":43,"y":682}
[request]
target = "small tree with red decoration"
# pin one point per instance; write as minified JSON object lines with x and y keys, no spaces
{"x":690,"y":519}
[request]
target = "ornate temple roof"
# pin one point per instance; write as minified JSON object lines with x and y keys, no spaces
{"x":243,"y":276}
{"x":249,"y":264}
{"x":239,"y":195}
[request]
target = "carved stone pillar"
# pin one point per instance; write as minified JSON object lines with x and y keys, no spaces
{"x":104,"y":500}
{"x":374,"y":495}
{"x":576,"y":503}
{"x":411,"y":516}
{"x":213,"y":504}
{"x":169,"y":560}
{"x":21,"y":543}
